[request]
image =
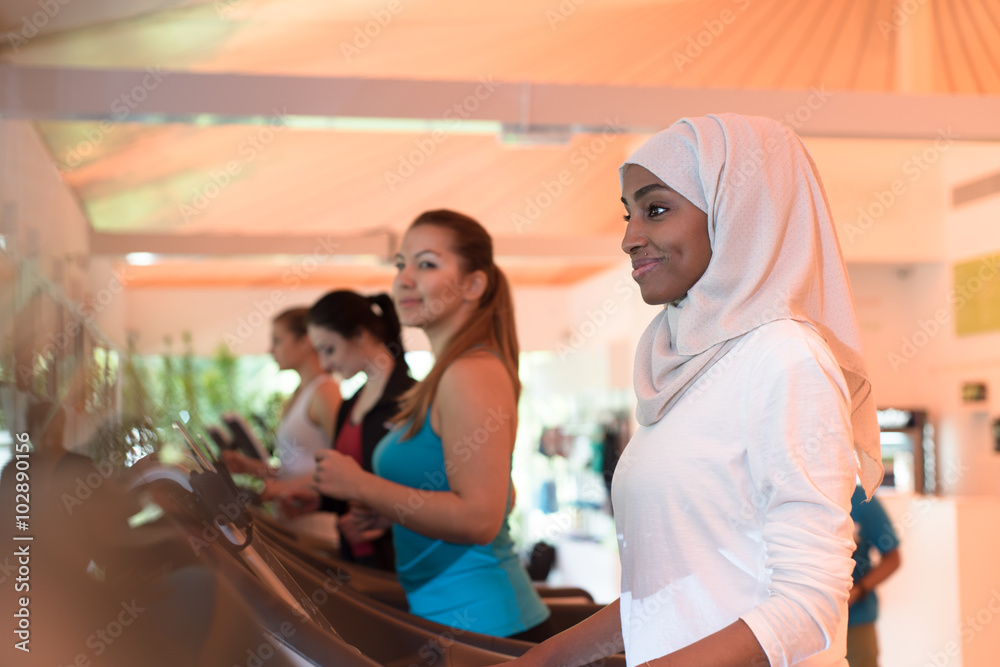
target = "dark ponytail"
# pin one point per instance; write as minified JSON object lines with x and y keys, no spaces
{"x":383,"y":308}
{"x":348,"y":313}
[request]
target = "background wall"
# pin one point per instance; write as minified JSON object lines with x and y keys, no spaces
{"x":972,"y":232}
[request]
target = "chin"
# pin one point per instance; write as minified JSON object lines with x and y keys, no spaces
{"x":659,"y":297}
{"x":413,"y":320}
{"x":651,"y":298}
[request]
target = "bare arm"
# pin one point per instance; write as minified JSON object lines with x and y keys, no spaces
{"x":600,"y":636}
{"x":890,"y":563}
{"x":278,"y":488}
{"x":476,"y":421}
{"x":733,"y":646}
{"x":238,"y":463}
{"x":324,"y":407}
{"x":593,"y":638}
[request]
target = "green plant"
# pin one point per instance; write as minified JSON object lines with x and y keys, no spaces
{"x":123,"y":439}
{"x":137,"y":401}
{"x":123,"y":442}
{"x":268,"y":417}
{"x":189,"y":383}
{"x":219,"y":382}
{"x":169,"y":394}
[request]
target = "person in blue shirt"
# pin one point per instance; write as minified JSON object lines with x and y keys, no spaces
{"x":872,"y":531}
{"x":442,"y":476}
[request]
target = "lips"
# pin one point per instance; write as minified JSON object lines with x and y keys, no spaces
{"x":408,"y":303}
{"x":641,"y":267}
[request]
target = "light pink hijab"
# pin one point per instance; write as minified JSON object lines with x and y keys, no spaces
{"x":775,"y":255}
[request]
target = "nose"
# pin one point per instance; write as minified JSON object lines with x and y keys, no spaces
{"x":325,"y":363}
{"x":634,"y":239}
{"x":403,"y":279}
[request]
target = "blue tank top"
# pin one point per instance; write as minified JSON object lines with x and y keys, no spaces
{"x":482,"y":588}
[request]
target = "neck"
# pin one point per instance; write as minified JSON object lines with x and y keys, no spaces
{"x":379,"y":363}
{"x":308,"y":371}
{"x":442,"y":332}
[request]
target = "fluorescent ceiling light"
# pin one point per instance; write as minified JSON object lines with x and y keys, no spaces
{"x":535,"y":135}
{"x":140,"y":258}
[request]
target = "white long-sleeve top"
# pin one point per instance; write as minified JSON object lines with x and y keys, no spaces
{"x":736,"y":504}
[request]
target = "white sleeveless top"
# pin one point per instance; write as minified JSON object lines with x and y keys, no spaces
{"x":298,"y":438}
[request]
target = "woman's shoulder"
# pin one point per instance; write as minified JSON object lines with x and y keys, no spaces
{"x":326,"y":398}
{"x":477,"y":372}
{"x":325,"y":385}
{"x":791,"y":336}
{"x":474,"y":366}
{"x":780,"y":347}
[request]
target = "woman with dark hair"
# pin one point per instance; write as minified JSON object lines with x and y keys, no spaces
{"x":307,"y":421}
{"x":442,"y":476}
{"x":353,"y":334}
{"x":732,"y":500}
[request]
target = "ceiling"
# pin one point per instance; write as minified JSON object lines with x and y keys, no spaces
{"x":234,"y":139}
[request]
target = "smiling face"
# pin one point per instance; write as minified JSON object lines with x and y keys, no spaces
{"x":666,"y":236}
{"x":337,"y":354}
{"x":431,"y":287}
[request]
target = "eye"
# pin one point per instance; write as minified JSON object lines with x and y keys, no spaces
{"x":656,"y":210}
{"x":399,"y":266}
{"x":426,"y":265}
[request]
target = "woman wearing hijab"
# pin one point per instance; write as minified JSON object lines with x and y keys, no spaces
{"x":732,"y":500}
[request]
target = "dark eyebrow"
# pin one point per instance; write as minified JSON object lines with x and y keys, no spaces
{"x":644,"y":190}
{"x":399,"y":255}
